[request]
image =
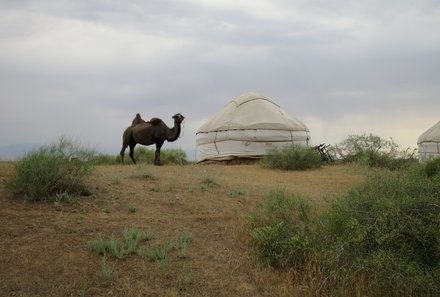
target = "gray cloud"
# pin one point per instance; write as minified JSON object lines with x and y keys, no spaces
{"x":340,"y":66}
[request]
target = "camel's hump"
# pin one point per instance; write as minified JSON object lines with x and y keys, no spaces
{"x":137,"y":120}
{"x":155,"y":121}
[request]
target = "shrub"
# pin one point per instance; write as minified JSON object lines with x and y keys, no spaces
{"x":280,"y":229}
{"x":143,"y":154}
{"x":373,"y":151}
{"x":51,"y":171}
{"x":382,"y":236}
{"x":174,"y":156}
{"x":104,"y":159}
{"x":291,"y":157}
{"x":432,"y":167}
{"x":387,"y":231}
{"x":167,"y":156}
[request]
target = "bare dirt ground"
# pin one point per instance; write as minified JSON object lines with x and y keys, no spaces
{"x":44,"y":247}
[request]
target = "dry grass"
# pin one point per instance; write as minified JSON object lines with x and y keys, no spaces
{"x":44,"y":247}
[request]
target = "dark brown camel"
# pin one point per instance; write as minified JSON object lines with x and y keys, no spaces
{"x":146,"y":133}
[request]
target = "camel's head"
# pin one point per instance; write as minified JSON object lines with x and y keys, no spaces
{"x":178,"y":118}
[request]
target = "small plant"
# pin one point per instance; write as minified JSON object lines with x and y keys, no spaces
{"x":185,"y":276}
{"x":155,"y":189}
{"x":144,"y":171}
{"x":171,"y":185}
{"x":117,"y":179}
{"x":291,"y":157}
{"x":132,"y":238}
{"x":164,"y":267}
{"x":109,"y":206}
{"x":208,"y":182}
{"x":64,"y":198}
{"x":237,"y":192}
{"x":107,"y":246}
{"x":132,"y":245}
{"x":107,"y":271}
{"x":182,"y":243}
{"x":158,"y":252}
{"x":132,"y":208}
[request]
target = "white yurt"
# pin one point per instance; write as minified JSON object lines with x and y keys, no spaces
{"x":246,"y":128}
{"x":429,"y":143}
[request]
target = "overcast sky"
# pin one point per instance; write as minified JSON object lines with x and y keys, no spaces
{"x":84,"y":68}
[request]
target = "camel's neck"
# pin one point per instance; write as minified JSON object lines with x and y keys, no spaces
{"x":174,"y":132}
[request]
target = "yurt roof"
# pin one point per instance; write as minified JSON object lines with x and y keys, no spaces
{"x":431,"y":135}
{"x":252,"y":111}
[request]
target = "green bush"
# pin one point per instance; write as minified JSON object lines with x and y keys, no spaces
{"x":51,"y":171}
{"x":383,"y":235}
{"x":387,"y":230}
{"x":167,"y":156}
{"x":432,"y":167}
{"x":104,"y":159}
{"x":280,"y":229}
{"x":373,"y":151}
{"x":291,"y":157}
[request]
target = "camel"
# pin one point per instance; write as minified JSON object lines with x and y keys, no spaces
{"x":147,"y":133}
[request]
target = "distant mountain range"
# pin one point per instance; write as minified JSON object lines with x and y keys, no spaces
{"x":13,"y":152}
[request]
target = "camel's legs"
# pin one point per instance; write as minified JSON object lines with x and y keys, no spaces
{"x":132,"y":153}
{"x":122,"y":153}
{"x":157,"y":153}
